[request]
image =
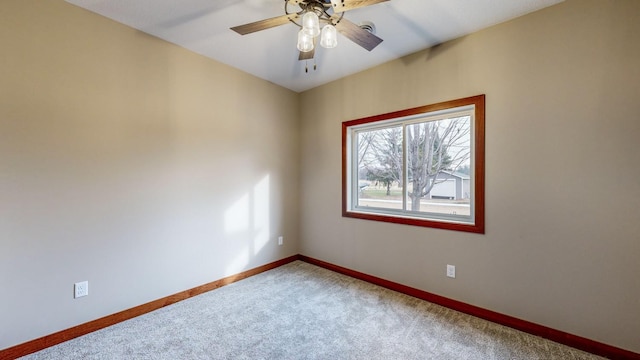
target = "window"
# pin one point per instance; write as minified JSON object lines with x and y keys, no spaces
{"x":422,"y":166}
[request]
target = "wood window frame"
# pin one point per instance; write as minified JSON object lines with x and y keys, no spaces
{"x":478,"y":223}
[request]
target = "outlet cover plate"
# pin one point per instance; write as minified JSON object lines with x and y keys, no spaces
{"x":80,"y":289}
{"x":451,"y":271}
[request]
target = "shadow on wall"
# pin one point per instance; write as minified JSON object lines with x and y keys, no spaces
{"x":432,"y":52}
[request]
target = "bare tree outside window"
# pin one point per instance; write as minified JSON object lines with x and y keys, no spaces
{"x":380,"y":159}
{"x":433,"y":147}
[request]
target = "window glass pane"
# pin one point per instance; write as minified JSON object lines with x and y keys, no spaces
{"x":438,"y":166}
{"x":422,"y":166}
{"x":380,"y":168}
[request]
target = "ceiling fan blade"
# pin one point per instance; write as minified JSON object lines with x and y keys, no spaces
{"x":264,"y":24}
{"x":358,"y":35}
{"x":346,"y":5}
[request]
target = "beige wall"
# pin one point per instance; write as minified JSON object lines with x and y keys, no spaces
{"x":148,"y":170}
{"x":131,"y":163}
{"x":562,"y":242}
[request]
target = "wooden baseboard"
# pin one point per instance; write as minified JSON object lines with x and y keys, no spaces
{"x":558,"y":336}
{"x":83,"y":329}
{"x":575,"y":341}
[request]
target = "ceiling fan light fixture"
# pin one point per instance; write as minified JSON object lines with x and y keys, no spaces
{"x":329,"y":37}
{"x":311,"y":24}
{"x":319,"y":22}
{"x":305,"y":42}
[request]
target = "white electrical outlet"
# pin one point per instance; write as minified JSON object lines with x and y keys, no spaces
{"x":280,"y":240}
{"x":80,"y":289}
{"x":451,"y":271}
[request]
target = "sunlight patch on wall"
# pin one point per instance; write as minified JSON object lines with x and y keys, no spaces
{"x":247,"y":225}
{"x":236,"y":218}
{"x":239,"y":262}
{"x":261,"y":214}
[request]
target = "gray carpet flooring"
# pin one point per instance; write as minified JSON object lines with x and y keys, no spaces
{"x":300,"y":311}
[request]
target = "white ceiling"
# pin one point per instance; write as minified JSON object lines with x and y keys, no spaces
{"x":406,"y":26}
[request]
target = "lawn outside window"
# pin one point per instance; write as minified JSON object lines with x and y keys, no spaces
{"x":422,"y":166}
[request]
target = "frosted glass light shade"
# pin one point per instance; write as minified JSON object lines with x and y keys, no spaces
{"x":311,"y":24}
{"x":329,"y":38}
{"x":305,"y":42}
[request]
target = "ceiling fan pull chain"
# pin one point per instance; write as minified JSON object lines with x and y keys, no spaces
{"x":306,"y":66}
{"x":314,"y":65}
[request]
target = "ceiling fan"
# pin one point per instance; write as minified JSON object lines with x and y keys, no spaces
{"x":310,"y":14}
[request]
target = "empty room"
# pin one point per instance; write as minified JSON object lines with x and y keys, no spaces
{"x":314,"y":179}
